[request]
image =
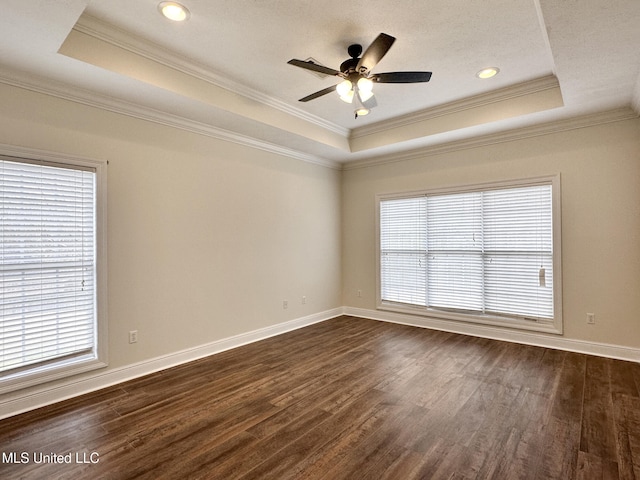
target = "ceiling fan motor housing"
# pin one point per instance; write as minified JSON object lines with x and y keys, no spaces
{"x":350,"y":65}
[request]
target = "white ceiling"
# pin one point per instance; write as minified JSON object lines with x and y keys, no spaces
{"x":224,"y":72}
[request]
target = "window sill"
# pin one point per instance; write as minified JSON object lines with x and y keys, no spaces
{"x":10,"y":382}
{"x":553,"y":327}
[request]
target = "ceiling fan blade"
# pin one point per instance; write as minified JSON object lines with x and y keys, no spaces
{"x":314,"y":67}
{"x":318,"y":94}
{"x":402,"y":77}
{"x":375,"y":52}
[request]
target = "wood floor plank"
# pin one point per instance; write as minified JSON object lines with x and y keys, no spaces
{"x":260,"y":449}
{"x":349,"y":398}
{"x":626,"y":414}
{"x":592,"y":467}
{"x":314,"y":453}
{"x":598,"y":435}
{"x":368,"y":457}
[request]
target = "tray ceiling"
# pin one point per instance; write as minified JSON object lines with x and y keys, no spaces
{"x":224,"y":71}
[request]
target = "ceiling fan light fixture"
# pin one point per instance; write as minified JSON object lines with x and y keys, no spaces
{"x":345,"y":90}
{"x":174,"y":11}
{"x":365,"y":85}
{"x":488,"y":72}
{"x":364,"y":96}
{"x":356,"y":85}
{"x":365,"y":89}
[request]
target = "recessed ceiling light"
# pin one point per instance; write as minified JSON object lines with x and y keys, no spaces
{"x":488,"y":72}
{"x":174,"y":11}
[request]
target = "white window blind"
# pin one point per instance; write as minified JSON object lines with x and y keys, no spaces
{"x":403,"y":244}
{"x":480,"y":252}
{"x":47,"y":263}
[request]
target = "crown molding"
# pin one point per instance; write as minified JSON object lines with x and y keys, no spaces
{"x":108,"y":33}
{"x":92,"y":99}
{"x":480,"y":100}
{"x":617,"y":115}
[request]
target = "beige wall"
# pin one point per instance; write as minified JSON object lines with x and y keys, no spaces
{"x":600,"y":176}
{"x":206,"y":238}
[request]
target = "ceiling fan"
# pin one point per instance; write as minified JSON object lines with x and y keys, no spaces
{"x":357,"y":83}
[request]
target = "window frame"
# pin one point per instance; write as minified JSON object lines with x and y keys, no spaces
{"x":555,"y":326}
{"x":37,"y":374}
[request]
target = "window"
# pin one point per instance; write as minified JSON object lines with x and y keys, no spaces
{"x":51,"y":274}
{"x":489,"y":254}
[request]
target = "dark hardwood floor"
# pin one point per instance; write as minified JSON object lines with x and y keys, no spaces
{"x":348,"y":399}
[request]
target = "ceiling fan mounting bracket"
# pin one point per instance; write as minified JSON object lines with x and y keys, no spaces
{"x":354,"y":50}
{"x":350,"y":65}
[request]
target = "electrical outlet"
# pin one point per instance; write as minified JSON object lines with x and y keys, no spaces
{"x":285,"y":304}
{"x":133,"y":336}
{"x":591,"y":318}
{"x":304,"y":300}
{"x":359,"y":293}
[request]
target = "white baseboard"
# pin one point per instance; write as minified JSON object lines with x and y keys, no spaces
{"x":504,"y":334}
{"x":16,"y":403}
